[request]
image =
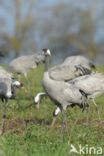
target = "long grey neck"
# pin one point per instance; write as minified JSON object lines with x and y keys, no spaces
{"x":47,"y":63}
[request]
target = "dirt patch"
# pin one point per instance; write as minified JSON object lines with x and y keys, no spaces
{"x":18,"y":125}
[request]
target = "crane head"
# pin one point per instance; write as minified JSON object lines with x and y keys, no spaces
{"x":46,"y":52}
{"x":18,"y":84}
{"x":37,"y":99}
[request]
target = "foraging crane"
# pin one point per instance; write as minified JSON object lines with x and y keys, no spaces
{"x":60,"y":92}
{"x":23,"y":64}
{"x":7,"y":91}
{"x":8,"y":87}
{"x":72,"y":67}
{"x":92,"y":85}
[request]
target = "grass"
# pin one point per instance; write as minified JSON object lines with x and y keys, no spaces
{"x":28,"y":132}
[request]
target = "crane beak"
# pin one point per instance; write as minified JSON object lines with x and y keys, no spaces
{"x":37,"y":105}
{"x":48,"y":52}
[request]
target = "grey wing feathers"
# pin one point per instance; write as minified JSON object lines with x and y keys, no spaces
{"x":83,"y":69}
{"x":60,"y":73}
{"x":66,"y":73}
{"x":70,"y":95}
{"x":89,"y":83}
{"x":79,"y":60}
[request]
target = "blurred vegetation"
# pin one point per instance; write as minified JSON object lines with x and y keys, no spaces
{"x":22,"y":26}
{"x":59,"y":27}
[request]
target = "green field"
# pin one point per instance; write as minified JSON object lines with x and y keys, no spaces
{"x":28,"y":131}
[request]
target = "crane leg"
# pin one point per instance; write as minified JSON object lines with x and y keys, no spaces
{"x":3,"y":124}
{"x":87,"y":118}
{"x":53,"y":121}
{"x":55,"y":114}
{"x":64,"y":121}
{"x":64,"y":127}
{"x":96,"y":108}
{"x":37,"y":105}
{"x":87,"y":111}
{"x":85,"y":104}
{"x":3,"y":118}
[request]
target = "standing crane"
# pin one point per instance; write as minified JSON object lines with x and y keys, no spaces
{"x":23,"y":64}
{"x":72,"y":67}
{"x":60,"y":92}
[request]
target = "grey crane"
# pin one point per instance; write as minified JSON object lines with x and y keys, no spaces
{"x":62,"y":93}
{"x":92,"y":85}
{"x":72,"y":67}
{"x":8,"y":87}
{"x":5,"y":74}
{"x":23,"y":64}
{"x":7,"y":91}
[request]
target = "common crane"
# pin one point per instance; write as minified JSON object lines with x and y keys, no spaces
{"x":23,"y":64}
{"x":60,"y":92}
{"x":92,"y":85}
{"x":72,"y":67}
{"x":7,"y":91}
